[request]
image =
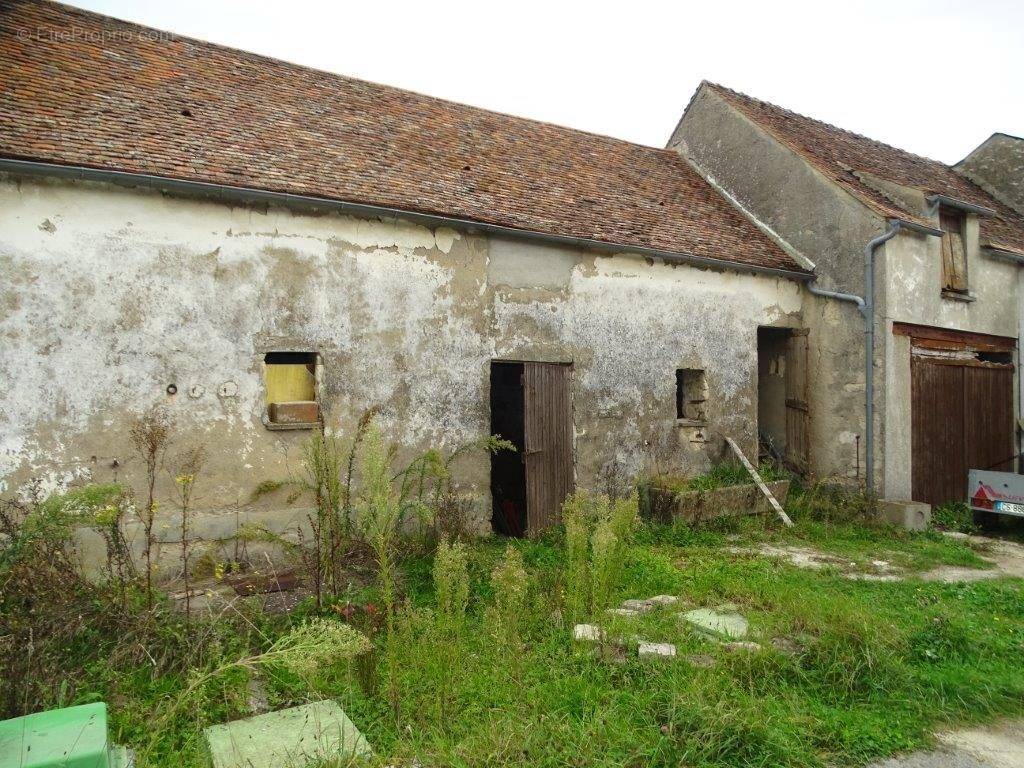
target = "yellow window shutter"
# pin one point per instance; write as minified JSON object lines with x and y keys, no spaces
{"x":287,"y":383}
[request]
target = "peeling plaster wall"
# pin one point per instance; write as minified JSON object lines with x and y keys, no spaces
{"x":911,"y":268}
{"x":112,"y":294}
{"x":825,"y":224}
{"x":831,"y":227}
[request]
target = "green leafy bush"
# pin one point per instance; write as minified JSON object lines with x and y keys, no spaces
{"x":954,"y":516}
{"x":510,"y":585}
{"x":451,"y":581}
{"x":597,"y":530}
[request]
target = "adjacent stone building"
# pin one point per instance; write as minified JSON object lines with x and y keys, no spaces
{"x":947,"y":295}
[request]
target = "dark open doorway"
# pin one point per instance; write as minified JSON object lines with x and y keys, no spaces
{"x":531,"y":406}
{"x":508,"y":472}
{"x":771,"y":391}
{"x":782,"y":410}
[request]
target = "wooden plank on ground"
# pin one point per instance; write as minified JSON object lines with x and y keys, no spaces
{"x":760,"y":483}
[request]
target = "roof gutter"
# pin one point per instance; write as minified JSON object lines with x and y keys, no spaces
{"x":1001,"y":253}
{"x":253,"y":195}
{"x":963,"y":205}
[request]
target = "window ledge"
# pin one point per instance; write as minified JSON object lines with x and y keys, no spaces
{"x":274,"y":427}
{"x":957,"y":296}
{"x":691,"y":423}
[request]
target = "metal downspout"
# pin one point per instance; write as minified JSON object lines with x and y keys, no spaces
{"x":866,"y":306}
{"x":868,"y":310}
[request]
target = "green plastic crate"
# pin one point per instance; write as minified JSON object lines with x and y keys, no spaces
{"x":73,"y":737}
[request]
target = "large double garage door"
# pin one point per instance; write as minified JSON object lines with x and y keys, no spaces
{"x":962,"y":409}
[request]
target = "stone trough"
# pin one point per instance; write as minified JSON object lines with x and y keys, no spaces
{"x":666,"y":505}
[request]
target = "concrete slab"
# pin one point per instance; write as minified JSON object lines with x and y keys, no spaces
{"x":292,"y":737}
{"x":650,"y":603}
{"x":587,"y":632}
{"x":741,"y":645}
{"x":627,"y":613}
{"x":911,"y":515}
{"x":656,"y":650}
{"x":721,"y":622}
{"x":702,"y":660}
{"x":663,"y":601}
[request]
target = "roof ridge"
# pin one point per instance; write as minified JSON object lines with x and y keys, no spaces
{"x":100,"y":17}
{"x":830,"y":126}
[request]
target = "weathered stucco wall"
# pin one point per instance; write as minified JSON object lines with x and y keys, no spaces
{"x":911,"y":268}
{"x":825,"y":224}
{"x":112,"y":294}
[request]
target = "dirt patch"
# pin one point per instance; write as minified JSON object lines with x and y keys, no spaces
{"x":996,"y":746}
{"x":815,"y":560}
{"x":1006,"y":558}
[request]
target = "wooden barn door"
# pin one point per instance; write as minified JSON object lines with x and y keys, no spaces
{"x":548,"y":442}
{"x":797,"y":410}
{"x":988,"y":420}
{"x":939,"y":464}
{"x":961,"y":419}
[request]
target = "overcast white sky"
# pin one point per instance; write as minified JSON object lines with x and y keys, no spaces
{"x":932,"y":77}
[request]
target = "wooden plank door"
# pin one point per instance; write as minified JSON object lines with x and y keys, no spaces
{"x":797,"y":410}
{"x":938,"y":464}
{"x":548,"y":442}
{"x":988,"y":418}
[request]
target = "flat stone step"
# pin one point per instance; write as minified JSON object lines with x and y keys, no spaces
{"x":295,"y":737}
{"x":722,"y":622}
{"x":649,"y":604}
{"x":656,"y":650}
{"x":587,"y":632}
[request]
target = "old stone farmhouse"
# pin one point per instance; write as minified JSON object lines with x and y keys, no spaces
{"x":259,"y":247}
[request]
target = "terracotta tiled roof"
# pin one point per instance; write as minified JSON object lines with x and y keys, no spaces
{"x":82,"y":89}
{"x":842,"y":155}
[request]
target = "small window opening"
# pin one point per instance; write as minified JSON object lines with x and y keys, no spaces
{"x":291,"y":383}
{"x":1002,"y":358}
{"x":691,"y":394}
{"x":954,"y":257}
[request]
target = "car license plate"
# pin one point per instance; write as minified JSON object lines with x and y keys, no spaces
{"x":1010,"y":508}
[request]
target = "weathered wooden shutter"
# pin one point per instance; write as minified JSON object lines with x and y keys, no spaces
{"x":954,"y":259}
{"x":797,"y":410}
{"x":548,"y":442}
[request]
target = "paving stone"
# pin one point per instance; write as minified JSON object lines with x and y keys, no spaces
{"x":640,"y":606}
{"x":625,"y":612}
{"x":657,"y":650}
{"x":663,"y":600}
{"x":588,"y":632}
{"x":703,"y":660}
{"x":721,"y":622}
{"x":650,"y":603}
{"x":296,"y":737}
{"x":741,"y":645}
{"x":788,"y":646}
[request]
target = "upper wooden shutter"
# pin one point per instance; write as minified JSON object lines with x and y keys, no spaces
{"x":954,"y":259}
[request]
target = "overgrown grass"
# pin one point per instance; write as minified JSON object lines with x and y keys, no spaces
{"x":721,"y":475}
{"x":877,"y":666}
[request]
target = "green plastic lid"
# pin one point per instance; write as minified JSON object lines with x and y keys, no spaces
{"x":73,"y":737}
